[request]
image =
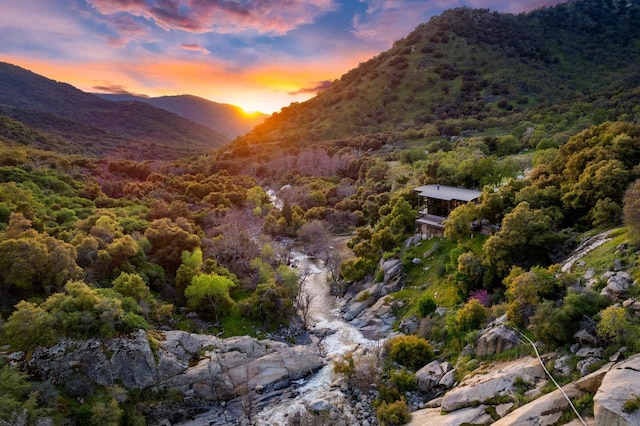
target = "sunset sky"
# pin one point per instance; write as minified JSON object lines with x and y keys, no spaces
{"x":258,"y":54}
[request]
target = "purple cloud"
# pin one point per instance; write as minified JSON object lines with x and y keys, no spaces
{"x":116,"y":89}
{"x":223,"y":16}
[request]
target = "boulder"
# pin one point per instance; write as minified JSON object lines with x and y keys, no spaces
{"x":391,"y":268}
{"x":617,"y":284}
{"x":585,"y":365}
{"x":584,"y":337}
{"x":319,"y":405}
{"x":430,"y":375}
{"x":496,"y":339}
{"x":590,"y":352}
{"x":409,"y":325}
{"x":619,"y":385}
{"x":561,"y":365}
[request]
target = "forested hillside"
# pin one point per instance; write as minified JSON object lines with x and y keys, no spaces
{"x":91,"y":125}
{"x":470,"y":69}
{"x":537,"y":111}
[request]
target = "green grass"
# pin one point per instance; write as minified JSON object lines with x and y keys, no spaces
{"x":603,"y":258}
{"x":235,"y":325}
{"x":430,"y":275}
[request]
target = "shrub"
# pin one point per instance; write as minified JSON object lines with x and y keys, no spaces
{"x":403,"y":380}
{"x":395,"y":413}
{"x":426,"y":305}
{"x":632,"y":404}
{"x":471,"y":316}
{"x":550,"y":325}
{"x":412,"y":352}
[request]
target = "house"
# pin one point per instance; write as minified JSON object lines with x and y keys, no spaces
{"x":438,"y":201}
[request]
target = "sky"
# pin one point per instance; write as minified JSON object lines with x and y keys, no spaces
{"x":261,"y":55}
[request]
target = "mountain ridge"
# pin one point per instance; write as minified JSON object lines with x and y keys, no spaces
{"x":227,"y":119}
{"x":134,"y":130}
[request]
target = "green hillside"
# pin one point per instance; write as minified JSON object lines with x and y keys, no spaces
{"x":471,"y":69}
{"x":95,"y":125}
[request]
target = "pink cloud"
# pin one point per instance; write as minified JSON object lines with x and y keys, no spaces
{"x":222,"y":16}
{"x":390,"y":20}
{"x":194,"y":47}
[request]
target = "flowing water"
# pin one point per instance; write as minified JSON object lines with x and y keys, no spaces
{"x":324,"y":314}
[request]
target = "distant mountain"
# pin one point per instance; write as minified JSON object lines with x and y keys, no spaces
{"x":467,"y":68}
{"x":90,"y":124}
{"x":229,"y":120}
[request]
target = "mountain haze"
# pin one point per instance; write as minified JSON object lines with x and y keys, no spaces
{"x":477,"y":65}
{"x":98,"y":126}
{"x":229,"y":120}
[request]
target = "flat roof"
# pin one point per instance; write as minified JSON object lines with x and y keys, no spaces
{"x":443,"y":192}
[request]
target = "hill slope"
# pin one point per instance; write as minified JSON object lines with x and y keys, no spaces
{"x":228,"y":120}
{"x":474,"y":65}
{"x":99,"y":126}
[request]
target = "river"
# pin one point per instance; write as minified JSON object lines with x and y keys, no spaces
{"x":324,"y":314}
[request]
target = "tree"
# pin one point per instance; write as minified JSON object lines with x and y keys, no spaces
{"x":270,"y":303}
{"x":523,"y":240}
{"x":210,"y":291}
{"x":315,"y":237}
{"x":526,"y":289}
{"x":457,"y":226}
{"x":28,"y":326}
{"x":168,"y":240}
{"x":190,"y":267}
{"x":19,"y":404}
{"x":469,"y":273}
{"x":132,"y":285}
{"x":631,"y":211}
{"x":304,"y":298}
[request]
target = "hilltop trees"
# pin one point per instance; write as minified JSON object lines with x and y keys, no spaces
{"x":632,"y":210}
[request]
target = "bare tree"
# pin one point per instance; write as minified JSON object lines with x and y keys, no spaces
{"x":332,"y":260}
{"x":304,"y":298}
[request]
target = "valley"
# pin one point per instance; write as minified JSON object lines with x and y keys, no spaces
{"x":161,"y":268}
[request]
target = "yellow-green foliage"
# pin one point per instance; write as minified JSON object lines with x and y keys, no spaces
{"x":413,"y":352}
{"x":395,"y":413}
{"x":471,"y":316}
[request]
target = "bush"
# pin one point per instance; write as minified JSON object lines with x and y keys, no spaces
{"x":632,"y":404}
{"x":403,"y":380}
{"x":412,"y":352}
{"x":426,"y":305}
{"x":471,"y":316}
{"x":395,"y":413}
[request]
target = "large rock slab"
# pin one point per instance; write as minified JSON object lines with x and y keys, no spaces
{"x":204,"y":366}
{"x":620,"y":384}
{"x":498,"y":381}
{"x":544,"y":411}
{"x":466,"y":416}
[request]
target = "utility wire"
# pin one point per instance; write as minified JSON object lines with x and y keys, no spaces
{"x":553,"y":380}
